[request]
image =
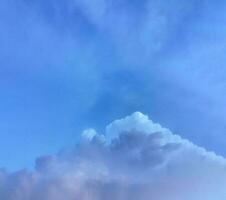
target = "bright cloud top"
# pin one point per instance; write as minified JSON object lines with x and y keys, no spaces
{"x":134,"y":159}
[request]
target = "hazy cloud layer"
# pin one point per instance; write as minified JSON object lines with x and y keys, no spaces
{"x":134,"y":159}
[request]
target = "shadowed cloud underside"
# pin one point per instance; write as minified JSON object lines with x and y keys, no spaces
{"x":134,"y":158}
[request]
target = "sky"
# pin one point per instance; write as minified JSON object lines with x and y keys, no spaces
{"x":67,"y":66}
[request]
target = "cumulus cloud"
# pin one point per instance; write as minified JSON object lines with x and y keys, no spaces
{"x":134,"y":159}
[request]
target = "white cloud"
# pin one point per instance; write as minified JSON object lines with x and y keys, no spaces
{"x":136,"y":159}
{"x":89,"y":134}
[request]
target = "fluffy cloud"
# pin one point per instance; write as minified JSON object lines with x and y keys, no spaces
{"x":134,"y":159}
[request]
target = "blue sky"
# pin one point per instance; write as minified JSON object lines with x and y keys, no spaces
{"x":70,"y":65}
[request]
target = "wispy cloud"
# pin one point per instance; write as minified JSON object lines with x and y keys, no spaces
{"x":134,"y":159}
{"x":79,"y":60}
